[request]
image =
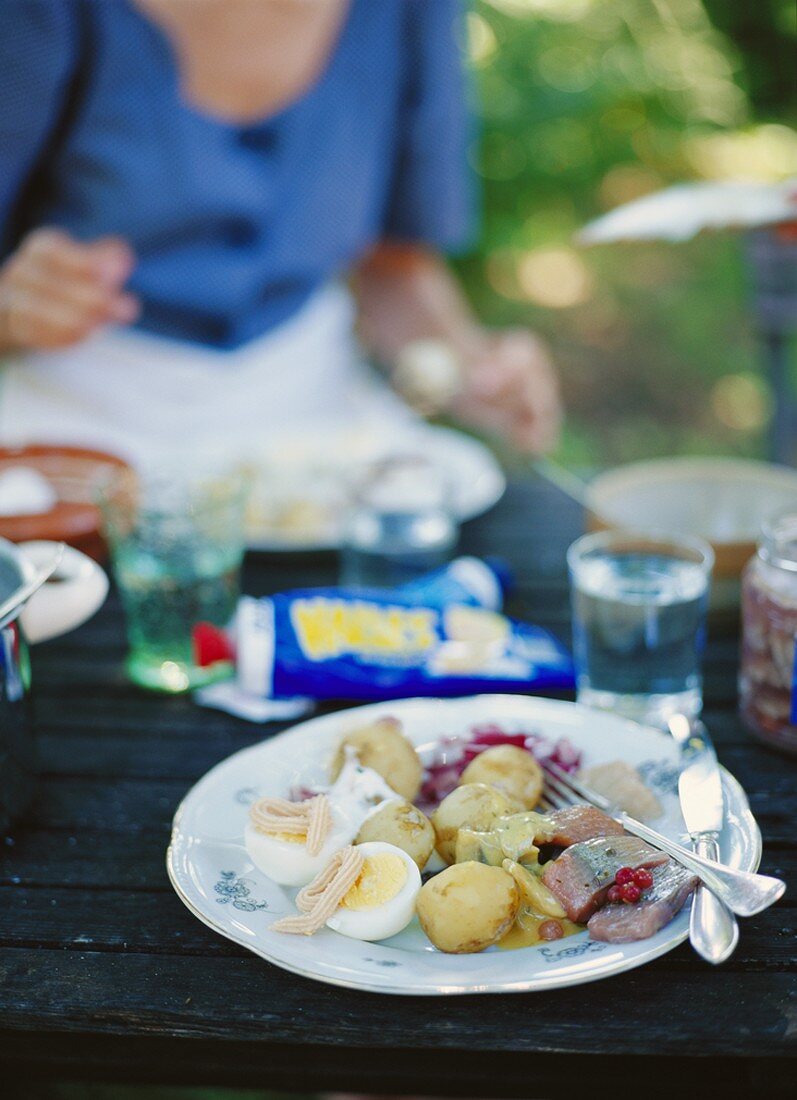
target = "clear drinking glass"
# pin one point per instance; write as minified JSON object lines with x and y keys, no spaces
{"x":639,"y":619}
{"x":177,"y":544}
{"x":400,"y":524}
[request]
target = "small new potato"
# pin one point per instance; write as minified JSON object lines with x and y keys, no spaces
{"x":383,"y":747}
{"x":509,"y":768}
{"x":473,"y":806}
{"x":467,"y":907}
{"x":402,"y":825}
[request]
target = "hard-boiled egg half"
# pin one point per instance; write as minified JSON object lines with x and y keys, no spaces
{"x":284,"y":856}
{"x":357,"y":792}
{"x":382,"y":901}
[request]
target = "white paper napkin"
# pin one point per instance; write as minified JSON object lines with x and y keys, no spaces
{"x":229,"y":697}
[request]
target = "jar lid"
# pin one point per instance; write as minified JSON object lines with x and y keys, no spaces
{"x":778,"y":544}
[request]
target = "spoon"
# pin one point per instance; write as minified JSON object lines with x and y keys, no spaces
{"x":12,"y":604}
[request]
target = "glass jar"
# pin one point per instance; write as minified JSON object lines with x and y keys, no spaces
{"x":768,"y":676}
{"x":400,"y":525}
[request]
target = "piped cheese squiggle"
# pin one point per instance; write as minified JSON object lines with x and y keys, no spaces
{"x":318,"y":901}
{"x":311,"y":819}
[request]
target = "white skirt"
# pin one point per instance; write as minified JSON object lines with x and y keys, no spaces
{"x":151,"y":399}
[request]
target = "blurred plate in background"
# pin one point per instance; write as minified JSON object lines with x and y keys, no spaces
{"x":301,"y":485}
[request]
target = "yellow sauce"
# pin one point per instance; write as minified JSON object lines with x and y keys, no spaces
{"x":525,"y":932}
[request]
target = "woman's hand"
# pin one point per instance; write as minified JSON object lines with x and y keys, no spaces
{"x":502,"y":381}
{"x":55,"y":291}
{"x":509,"y":386}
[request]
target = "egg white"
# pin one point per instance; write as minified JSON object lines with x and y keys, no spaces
{"x":357,"y":792}
{"x":388,"y":919}
{"x":289,"y":863}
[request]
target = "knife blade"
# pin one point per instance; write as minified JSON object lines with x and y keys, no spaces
{"x":699,"y":784}
{"x":713,"y":930}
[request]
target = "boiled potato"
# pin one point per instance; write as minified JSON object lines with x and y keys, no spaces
{"x":401,"y":824}
{"x":509,"y":768}
{"x":467,"y":907}
{"x":383,"y":747}
{"x":473,"y":806}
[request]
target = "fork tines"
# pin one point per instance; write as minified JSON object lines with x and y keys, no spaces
{"x":561,"y":790}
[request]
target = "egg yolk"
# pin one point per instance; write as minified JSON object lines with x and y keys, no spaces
{"x":290,"y":838}
{"x":381,"y":878}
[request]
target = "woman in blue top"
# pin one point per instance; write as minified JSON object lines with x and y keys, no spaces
{"x":184,"y":184}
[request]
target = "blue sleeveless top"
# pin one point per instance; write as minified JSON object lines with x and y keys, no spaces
{"x":233,"y":226}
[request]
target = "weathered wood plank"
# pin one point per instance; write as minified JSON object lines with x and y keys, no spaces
{"x":245,"y":998}
{"x":121,"y":805}
{"x":413,"y":1071}
{"x":91,"y":860}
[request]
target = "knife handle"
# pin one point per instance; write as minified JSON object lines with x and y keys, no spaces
{"x":713,"y":931}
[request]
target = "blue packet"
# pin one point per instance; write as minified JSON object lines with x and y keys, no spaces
{"x":438,"y":636}
{"x":465,"y":580}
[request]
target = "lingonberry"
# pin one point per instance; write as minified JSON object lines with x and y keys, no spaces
{"x":631,"y":893}
{"x":643,"y":878}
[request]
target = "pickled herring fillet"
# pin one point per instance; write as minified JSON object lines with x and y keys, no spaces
{"x":577,"y":823}
{"x":672,"y":885}
{"x":580,"y":878}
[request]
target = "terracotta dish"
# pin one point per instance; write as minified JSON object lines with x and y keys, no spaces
{"x":75,"y":474}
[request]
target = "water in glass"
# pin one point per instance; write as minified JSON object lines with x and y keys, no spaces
{"x":639,"y":625}
{"x":177,"y":547}
{"x":399,"y":526}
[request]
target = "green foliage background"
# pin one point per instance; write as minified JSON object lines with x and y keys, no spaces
{"x":585,"y":104}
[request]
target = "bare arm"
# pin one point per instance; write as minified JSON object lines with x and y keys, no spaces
{"x":406,"y":293}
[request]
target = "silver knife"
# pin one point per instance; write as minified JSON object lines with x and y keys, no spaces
{"x":713,"y":931}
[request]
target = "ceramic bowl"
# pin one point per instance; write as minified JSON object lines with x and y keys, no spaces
{"x":74,"y":473}
{"x":723,"y":500}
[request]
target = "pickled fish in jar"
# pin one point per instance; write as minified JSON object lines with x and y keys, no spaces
{"x":768,"y":674}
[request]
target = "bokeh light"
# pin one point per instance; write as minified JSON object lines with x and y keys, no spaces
{"x":554,"y":277}
{"x":482,"y":42}
{"x":767,"y":153}
{"x":567,"y":68}
{"x":742,"y":401}
{"x":626,"y":182}
{"x":568,"y":11}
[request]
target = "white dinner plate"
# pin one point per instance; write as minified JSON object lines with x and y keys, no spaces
{"x":213,"y":875}
{"x":301,"y":488}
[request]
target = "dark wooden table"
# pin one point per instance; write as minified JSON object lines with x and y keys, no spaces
{"x":104,"y":974}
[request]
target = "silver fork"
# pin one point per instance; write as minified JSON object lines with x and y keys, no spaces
{"x":744,"y":893}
